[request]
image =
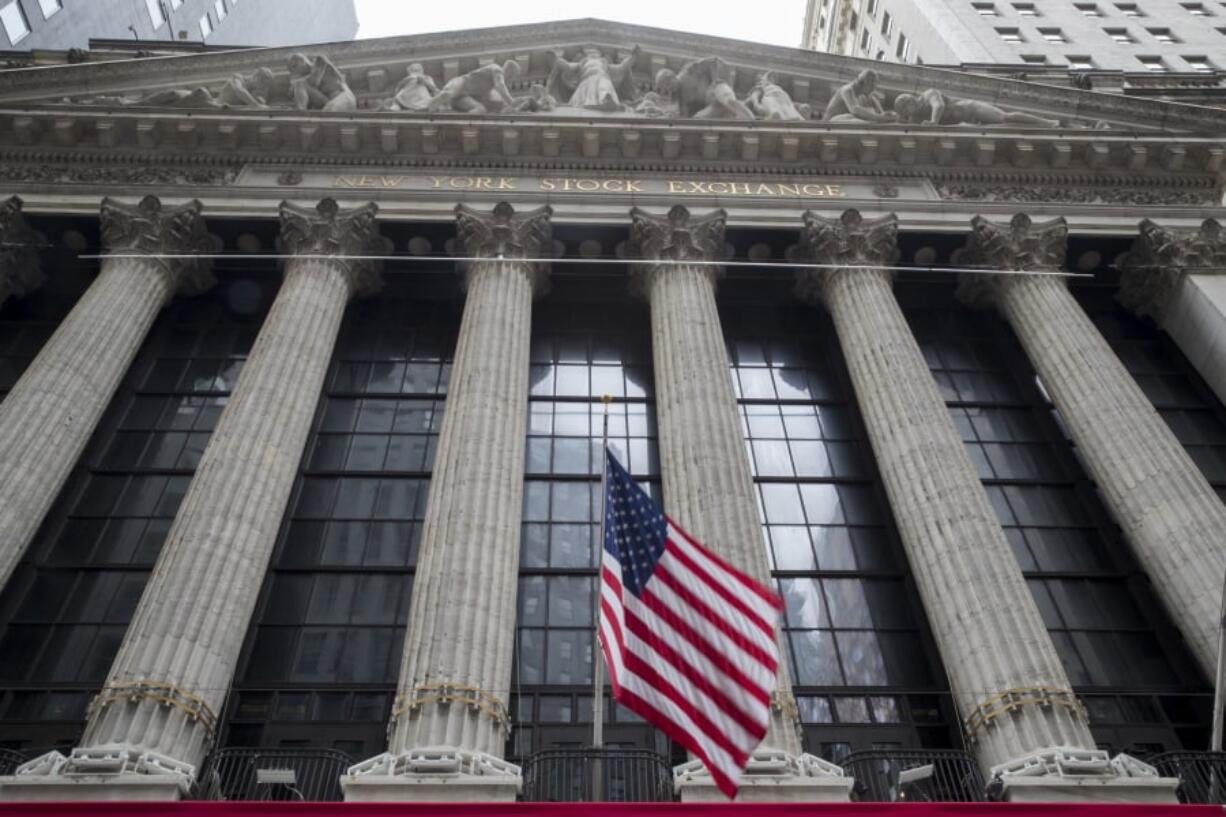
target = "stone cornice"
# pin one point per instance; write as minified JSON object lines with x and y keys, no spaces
{"x":470,"y":46}
{"x":1161,"y":257}
{"x":230,"y":137}
{"x":20,"y":271}
{"x":326,"y":230}
{"x":149,"y":228}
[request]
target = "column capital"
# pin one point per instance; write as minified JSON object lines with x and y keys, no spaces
{"x":1021,"y":245}
{"x":503,"y":234}
{"x":1161,"y":257}
{"x":847,"y":242}
{"x":20,"y":271}
{"x":326,"y":230}
{"x":677,"y":236}
{"x":149,"y":228}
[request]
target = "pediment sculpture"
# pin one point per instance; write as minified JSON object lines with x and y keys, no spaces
{"x":590,"y":84}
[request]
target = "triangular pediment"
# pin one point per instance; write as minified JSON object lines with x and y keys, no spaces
{"x":638,"y":73}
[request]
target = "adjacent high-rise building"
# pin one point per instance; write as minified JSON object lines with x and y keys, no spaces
{"x":27,"y":24}
{"x":1140,"y":43}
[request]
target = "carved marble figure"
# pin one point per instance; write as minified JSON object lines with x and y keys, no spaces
{"x":415,"y":91}
{"x":769,"y":101}
{"x":482,"y":90}
{"x":703,"y":92}
{"x":318,"y":85}
{"x":592,"y":81}
{"x":661,"y":99}
{"x":537,"y":100}
{"x":239,"y":91}
{"x":931,"y":107}
{"x":857,"y":101}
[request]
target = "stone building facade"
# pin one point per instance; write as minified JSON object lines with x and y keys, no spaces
{"x":302,"y":359}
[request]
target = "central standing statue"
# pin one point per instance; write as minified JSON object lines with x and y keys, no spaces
{"x":592,"y":82}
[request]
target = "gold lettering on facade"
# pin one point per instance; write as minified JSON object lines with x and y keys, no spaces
{"x":716,"y":187}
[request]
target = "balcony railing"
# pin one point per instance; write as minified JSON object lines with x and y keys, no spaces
{"x":10,"y":759}
{"x":273,"y":774}
{"x":924,"y":775}
{"x":588,"y":775}
{"x":1202,"y":775}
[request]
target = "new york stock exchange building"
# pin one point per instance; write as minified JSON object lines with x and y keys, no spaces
{"x":302,"y":359}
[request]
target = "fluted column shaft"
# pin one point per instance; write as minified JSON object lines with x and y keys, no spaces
{"x":455,"y":674}
{"x":708,"y":485}
{"x":1173,"y":519}
{"x":51,"y":412}
{"x":1170,"y":515}
{"x":185,"y":638}
{"x":993,"y":643}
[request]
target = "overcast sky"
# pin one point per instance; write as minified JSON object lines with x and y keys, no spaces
{"x":766,"y":21}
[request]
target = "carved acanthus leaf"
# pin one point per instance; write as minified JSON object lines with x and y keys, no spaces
{"x":1020,"y":245}
{"x":677,"y":236}
{"x":147,"y":228}
{"x":19,"y":250}
{"x":504,"y":234}
{"x":351,"y":236}
{"x":848,"y":241}
{"x":1161,"y":257}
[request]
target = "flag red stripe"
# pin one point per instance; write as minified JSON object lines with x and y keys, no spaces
{"x":725,"y":704}
{"x":671,"y":615}
{"x":701,"y":575}
{"x":710,"y":730}
{"x":671,"y":728}
{"x":755,"y":688}
{"x":750,"y":585}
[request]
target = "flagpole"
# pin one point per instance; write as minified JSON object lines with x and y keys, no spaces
{"x":597,"y":652}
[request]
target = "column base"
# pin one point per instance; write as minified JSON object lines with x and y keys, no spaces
{"x":434,"y":775}
{"x":1067,"y":775}
{"x":115,"y":773}
{"x":770,"y":777}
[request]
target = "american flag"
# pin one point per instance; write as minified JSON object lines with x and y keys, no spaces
{"x":689,"y":640}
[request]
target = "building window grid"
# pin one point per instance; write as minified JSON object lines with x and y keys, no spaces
{"x":1197,"y":9}
{"x":326,"y":644}
{"x":50,"y":8}
{"x":1119,"y":35}
{"x":578,"y":353}
{"x":1010,"y":35}
{"x":1089,"y":9}
{"x":1026,"y":10}
{"x":986,"y":9}
{"x":1163,"y":35}
{"x":1053,"y":35}
{"x":1130,"y":10}
{"x":860,"y":672}
{"x":1080,"y":576}
{"x":70,"y":603}
{"x":1199,"y":63}
{"x":1153,"y":63}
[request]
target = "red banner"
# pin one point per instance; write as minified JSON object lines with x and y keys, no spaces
{"x":262,"y":809}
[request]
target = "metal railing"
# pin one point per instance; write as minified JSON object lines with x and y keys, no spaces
{"x":923,"y":775}
{"x":273,"y":774}
{"x":1202,"y":775}
{"x":589,"y":775}
{"x":10,"y":759}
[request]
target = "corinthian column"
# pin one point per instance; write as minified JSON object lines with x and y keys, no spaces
{"x":156,"y":717}
{"x":19,"y":267}
{"x":1174,"y":521}
{"x":1178,"y":278}
{"x":450,"y":720}
{"x":50,"y":414}
{"x":708,"y":485}
{"x":1007,"y":680}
